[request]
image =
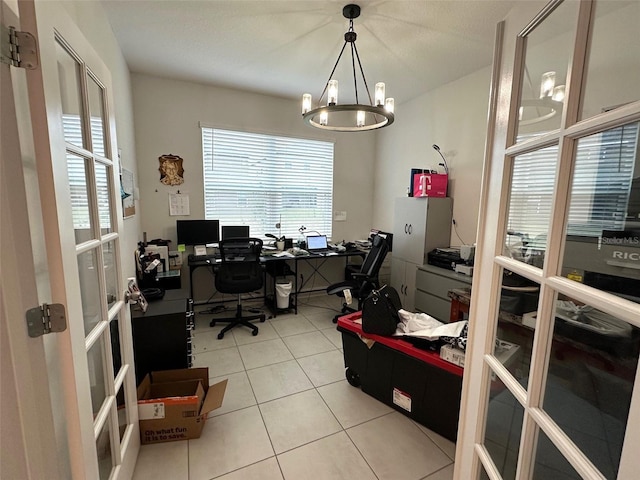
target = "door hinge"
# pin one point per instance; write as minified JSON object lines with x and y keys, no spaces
{"x":46,"y":319}
{"x":18,"y":49}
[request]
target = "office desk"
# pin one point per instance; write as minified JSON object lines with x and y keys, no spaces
{"x":315,"y":261}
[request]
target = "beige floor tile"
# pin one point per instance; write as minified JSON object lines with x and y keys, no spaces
{"x":330,"y":458}
{"x":278,"y":380}
{"x":322,"y":320}
{"x":342,"y":397}
{"x":205,"y":340}
{"x":446,"y":445}
{"x":307,"y":344}
{"x":162,"y":460}
{"x":292,"y":325}
{"x":298,"y":419}
{"x":238,"y":394}
{"x":333,"y":335}
{"x":220,"y":362}
{"x":243,"y":335}
{"x":323,"y":368}
{"x":396,"y":448}
{"x":228,"y":442}
{"x":445,"y":474}
{"x":260,"y":354}
{"x":265,"y":470}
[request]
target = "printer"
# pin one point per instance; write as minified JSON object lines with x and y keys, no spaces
{"x":445,"y":257}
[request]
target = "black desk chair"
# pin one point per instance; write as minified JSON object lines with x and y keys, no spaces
{"x":239,"y":272}
{"x":364,"y":281}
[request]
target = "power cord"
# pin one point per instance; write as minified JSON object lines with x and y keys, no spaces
{"x":455,"y":229}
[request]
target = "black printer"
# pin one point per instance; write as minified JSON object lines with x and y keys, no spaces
{"x":445,"y":257}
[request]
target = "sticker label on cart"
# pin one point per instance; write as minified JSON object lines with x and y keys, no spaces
{"x":402,"y":399}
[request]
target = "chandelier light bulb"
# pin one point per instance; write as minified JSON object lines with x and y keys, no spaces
{"x":389,"y":105}
{"x":332,"y":92}
{"x":547,"y":83}
{"x":306,"y":103}
{"x":379,"y":93}
{"x":558,"y":93}
{"x":324,"y":118}
{"x":360,"y":118}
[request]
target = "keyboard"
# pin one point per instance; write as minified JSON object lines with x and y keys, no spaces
{"x":200,"y":258}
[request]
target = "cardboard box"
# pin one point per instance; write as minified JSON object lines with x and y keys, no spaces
{"x":506,"y":352}
{"x":174,"y":404}
{"x":452,"y":354}
{"x":430,"y":185}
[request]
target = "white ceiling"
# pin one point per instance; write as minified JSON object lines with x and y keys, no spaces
{"x":287,"y":48}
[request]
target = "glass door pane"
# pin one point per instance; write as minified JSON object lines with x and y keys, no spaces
{"x":82,"y":220}
{"x":603,"y":228}
{"x":69,"y":74}
{"x":103,"y":187}
{"x":547,"y":58}
{"x":613,"y":67}
{"x":96,"y":112}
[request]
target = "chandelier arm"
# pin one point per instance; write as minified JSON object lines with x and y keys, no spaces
{"x":326,"y":85}
{"x":353,"y":68}
{"x":364,"y":79}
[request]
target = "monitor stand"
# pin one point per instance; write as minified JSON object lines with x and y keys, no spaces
{"x":200,"y":250}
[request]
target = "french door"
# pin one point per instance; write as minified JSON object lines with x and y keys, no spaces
{"x":558,"y":262}
{"x":80,"y":213}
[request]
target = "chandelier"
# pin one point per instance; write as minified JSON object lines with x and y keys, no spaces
{"x":548,"y":105}
{"x":347,"y":117}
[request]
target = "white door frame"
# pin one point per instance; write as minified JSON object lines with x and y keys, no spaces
{"x":26,"y":423}
{"x":66,"y":353}
{"x":489,"y":262}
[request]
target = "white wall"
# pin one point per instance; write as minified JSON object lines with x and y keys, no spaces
{"x":455,"y":118}
{"x":167,"y":117}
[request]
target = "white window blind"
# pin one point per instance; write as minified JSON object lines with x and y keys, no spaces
{"x":260,"y":180}
{"x":76,"y":170}
{"x":603,"y":173}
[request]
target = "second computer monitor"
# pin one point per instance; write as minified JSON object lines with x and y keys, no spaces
{"x":235,"y":231}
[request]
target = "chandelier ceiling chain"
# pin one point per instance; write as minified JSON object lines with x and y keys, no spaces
{"x":349,"y":117}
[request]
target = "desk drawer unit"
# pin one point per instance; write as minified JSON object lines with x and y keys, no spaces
{"x":162,"y":336}
{"x":432,"y":287}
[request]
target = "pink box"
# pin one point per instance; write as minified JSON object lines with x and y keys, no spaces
{"x":430,"y":185}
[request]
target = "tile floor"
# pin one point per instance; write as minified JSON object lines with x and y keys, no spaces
{"x":289,"y":413}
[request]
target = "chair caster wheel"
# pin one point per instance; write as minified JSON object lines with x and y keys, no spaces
{"x":352,"y":377}
{"x":212,"y":323}
{"x":254,"y":333}
{"x":263,"y":319}
{"x":220,"y":336}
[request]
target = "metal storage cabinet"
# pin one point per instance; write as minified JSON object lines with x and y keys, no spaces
{"x":420,"y":225}
{"x":162,"y":336}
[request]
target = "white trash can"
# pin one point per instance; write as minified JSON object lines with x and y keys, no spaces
{"x":283,"y":290}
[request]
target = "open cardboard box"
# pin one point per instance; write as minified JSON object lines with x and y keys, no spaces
{"x":174,"y":404}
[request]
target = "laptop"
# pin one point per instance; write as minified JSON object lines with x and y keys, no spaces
{"x":317,"y":244}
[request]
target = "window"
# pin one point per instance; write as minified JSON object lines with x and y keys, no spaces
{"x":261,"y":180}
{"x":602,"y":180}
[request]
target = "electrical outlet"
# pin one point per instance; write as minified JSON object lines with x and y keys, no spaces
{"x":340,"y":216}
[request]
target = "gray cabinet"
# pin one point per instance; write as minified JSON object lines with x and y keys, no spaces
{"x":420,"y":225}
{"x":432,"y":287}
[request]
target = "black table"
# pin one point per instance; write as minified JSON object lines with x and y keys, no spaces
{"x":275,"y":264}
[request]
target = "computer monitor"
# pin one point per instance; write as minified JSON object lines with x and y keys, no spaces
{"x":235,"y":231}
{"x":198,"y":232}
